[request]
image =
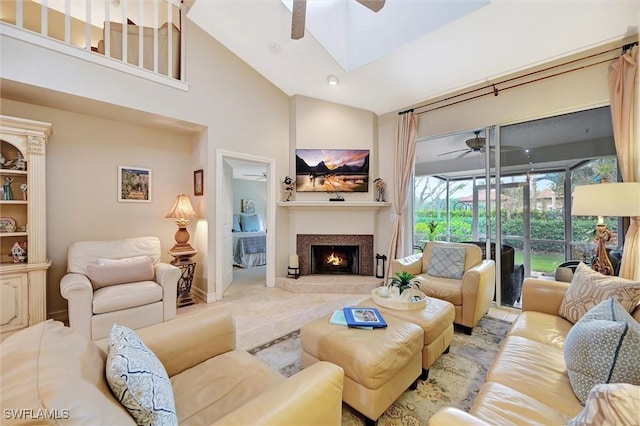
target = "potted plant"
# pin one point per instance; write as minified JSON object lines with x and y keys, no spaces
{"x":433,"y":227}
{"x":403,"y":280}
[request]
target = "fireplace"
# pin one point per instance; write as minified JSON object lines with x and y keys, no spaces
{"x":335,"y":259}
{"x":355,"y":252}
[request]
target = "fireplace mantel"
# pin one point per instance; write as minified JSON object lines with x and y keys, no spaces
{"x":371,"y":205}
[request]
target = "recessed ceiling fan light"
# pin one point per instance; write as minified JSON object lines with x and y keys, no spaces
{"x":333,"y":80}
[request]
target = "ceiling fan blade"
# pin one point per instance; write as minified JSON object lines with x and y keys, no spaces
{"x":451,"y":152}
{"x":298,"y":16}
{"x":463,"y":154}
{"x":505,"y":148}
{"x":374,"y":5}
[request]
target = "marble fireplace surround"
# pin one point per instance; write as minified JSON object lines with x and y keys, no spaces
{"x":364,"y":242}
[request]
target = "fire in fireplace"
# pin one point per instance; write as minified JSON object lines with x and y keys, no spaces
{"x":335,"y":259}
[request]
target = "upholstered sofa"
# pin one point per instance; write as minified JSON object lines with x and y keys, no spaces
{"x":471,"y":294}
{"x":528,"y":382}
{"x":49,"y":370}
{"x":118,"y":281}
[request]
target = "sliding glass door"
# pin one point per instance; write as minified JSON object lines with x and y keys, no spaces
{"x":531,"y":169}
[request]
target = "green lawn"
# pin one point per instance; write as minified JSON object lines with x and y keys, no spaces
{"x":542,"y":262}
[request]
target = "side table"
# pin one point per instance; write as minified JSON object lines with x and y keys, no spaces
{"x":187,"y":268}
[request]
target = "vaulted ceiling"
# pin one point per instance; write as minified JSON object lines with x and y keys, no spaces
{"x":412,"y":50}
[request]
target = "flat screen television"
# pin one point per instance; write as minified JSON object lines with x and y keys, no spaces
{"x":332,"y":170}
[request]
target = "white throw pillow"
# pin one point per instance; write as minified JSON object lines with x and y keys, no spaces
{"x":106,"y":261}
{"x":138,"y":379}
{"x":612,"y":404}
{"x":589,"y":287}
{"x":120,"y":273}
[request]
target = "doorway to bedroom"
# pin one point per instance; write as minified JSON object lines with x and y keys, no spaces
{"x":244,"y":211}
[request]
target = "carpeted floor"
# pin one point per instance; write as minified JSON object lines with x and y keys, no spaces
{"x":454,"y":380}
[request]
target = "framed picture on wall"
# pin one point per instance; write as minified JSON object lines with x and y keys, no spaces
{"x":134,"y":184}
{"x":248,"y":206}
{"x":198,"y":182}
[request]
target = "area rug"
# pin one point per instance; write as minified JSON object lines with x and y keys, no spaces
{"x":454,"y":380}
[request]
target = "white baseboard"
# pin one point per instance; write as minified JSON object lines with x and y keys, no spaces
{"x":202,"y":295}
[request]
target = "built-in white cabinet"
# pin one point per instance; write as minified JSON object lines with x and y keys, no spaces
{"x":23,"y":231}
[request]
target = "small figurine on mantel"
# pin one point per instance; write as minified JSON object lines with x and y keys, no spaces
{"x":380,"y":186}
{"x":289,"y":186}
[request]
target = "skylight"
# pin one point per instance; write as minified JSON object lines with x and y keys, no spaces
{"x":354,"y":36}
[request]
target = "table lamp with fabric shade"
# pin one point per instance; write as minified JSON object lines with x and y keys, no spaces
{"x":606,"y":199}
{"x":182,"y":211}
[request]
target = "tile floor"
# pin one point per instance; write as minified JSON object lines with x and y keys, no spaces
{"x":266,"y":313}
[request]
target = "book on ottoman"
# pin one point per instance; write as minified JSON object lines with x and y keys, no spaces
{"x":358,"y":316}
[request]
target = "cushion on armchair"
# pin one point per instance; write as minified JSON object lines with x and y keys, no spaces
{"x":447,"y":262}
{"x":120,"y":273}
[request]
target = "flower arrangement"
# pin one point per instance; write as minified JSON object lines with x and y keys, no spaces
{"x":404,"y":281}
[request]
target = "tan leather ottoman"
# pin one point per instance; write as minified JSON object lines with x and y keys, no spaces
{"x":436,"y":319}
{"x":379,"y":364}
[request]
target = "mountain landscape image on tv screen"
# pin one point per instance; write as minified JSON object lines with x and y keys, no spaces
{"x":332,"y":170}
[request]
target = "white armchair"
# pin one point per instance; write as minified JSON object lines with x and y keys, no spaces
{"x":121,"y":281}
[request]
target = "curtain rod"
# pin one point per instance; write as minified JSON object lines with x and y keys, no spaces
{"x":493,"y":90}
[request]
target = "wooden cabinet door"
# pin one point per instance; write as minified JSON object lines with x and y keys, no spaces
{"x":14,"y":312}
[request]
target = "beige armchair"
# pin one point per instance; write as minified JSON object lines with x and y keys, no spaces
{"x":121,"y":282}
{"x":471,"y":294}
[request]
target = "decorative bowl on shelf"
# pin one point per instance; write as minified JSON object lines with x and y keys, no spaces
{"x":410,"y":299}
{"x":7,"y":224}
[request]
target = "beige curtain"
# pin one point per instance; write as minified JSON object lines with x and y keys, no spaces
{"x":622,"y":89}
{"x":403,"y":168}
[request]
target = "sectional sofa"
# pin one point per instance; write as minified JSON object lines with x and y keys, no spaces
{"x":51,"y":375}
{"x":529,"y":382}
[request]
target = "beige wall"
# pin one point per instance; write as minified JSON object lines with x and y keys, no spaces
{"x":83,"y":156}
{"x":317,"y":124}
{"x":228,"y":106}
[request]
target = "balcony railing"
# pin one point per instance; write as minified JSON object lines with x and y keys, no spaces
{"x":145,"y":34}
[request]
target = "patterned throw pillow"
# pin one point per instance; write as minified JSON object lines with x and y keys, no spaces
{"x":588,"y":288}
{"x":138,"y":379}
{"x":602,"y":348}
{"x":615,"y":404}
{"x":447,"y":262}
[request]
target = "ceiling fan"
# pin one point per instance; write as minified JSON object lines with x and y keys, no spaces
{"x":258,"y":177}
{"x":300,"y":10}
{"x":478,"y":144}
